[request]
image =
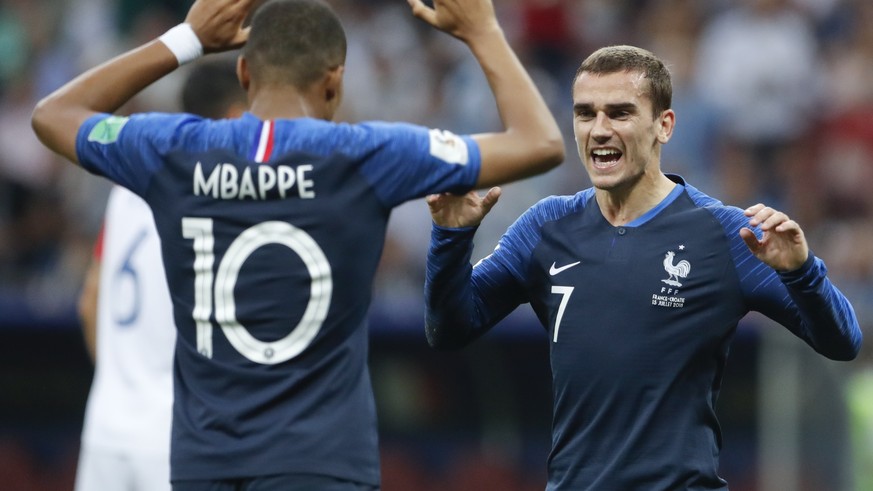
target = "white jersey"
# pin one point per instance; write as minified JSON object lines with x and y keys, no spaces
{"x":130,"y":404}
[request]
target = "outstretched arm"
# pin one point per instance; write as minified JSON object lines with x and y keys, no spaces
{"x":827,"y":321}
{"x":531,"y":142}
{"x":461,"y":301}
{"x":217,"y":25}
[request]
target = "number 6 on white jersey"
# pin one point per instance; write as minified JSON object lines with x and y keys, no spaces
{"x":272,"y":232}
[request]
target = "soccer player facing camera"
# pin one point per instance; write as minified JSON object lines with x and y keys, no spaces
{"x":640,"y":282}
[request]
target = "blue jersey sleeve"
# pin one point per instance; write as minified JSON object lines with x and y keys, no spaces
{"x":804,"y":301}
{"x":463,"y":302}
{"x":127,"y":150}
{"x":405,"y":161}
{"x":827,"y":320}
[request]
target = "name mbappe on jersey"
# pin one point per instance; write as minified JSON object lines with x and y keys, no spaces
{"x":225,"y":181}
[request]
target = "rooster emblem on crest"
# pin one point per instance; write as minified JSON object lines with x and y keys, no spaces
{"x":675,"y":271}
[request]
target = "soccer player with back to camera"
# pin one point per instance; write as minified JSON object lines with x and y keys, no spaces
{"x":272,"y":225}
{"x":640,"y":282}
{"x":127,"y":322}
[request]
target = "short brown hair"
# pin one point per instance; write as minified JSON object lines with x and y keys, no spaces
{"x":612,"y":59}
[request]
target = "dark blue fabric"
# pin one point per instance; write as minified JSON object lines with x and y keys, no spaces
{"x":283,"y":482}
{"x":270,"y":268}
{"x":639,"y":321}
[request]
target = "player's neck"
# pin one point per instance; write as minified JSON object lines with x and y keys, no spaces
{"x":284,"y":103}
{"x":624,"y":205}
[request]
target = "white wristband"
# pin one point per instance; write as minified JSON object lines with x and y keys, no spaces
{"x":183,"y":42}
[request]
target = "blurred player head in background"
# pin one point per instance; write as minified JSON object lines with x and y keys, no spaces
{"x":212,"y":89}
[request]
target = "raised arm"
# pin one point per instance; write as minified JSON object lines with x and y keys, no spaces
{"x":531,"y":142}
{"x":825,"y":318}
{"x":463,"y":302}
{"x":212,"y":26}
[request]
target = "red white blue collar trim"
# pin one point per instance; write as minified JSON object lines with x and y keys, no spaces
{"x":264,"y":148}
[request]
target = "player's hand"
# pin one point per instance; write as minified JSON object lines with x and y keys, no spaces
{"x":219,"y":23}
{"x":782,"y":246}
{"x":468,"y":210}
{"x":464,"y":19}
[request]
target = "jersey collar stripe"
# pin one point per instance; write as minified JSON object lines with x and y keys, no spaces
{"x":253,"y":154}
{"x":265,"y":142}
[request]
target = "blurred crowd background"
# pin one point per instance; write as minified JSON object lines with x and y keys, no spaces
{"x":774,"y":103}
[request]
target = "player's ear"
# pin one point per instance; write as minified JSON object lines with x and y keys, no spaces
{"x":666,"y":122}
{"x":242,"y":72}
{"x":333,"y":84}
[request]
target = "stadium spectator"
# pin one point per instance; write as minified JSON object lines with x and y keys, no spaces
{"x":758,"y":65}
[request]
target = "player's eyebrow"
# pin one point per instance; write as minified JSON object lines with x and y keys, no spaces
{"x":620,"y":106}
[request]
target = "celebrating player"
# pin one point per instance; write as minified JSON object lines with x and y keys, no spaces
{"x":272,"y":224}
{"x":640,"y":282}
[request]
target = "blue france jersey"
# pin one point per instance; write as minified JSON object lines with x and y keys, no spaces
{"x":639,"y":321}
{"x":271,"y":232}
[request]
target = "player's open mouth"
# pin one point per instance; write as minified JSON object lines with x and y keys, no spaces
{"x":605,"y":157}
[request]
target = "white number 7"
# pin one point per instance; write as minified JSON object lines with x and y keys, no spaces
{"x":273,"y":232}
{"x":565,"y":291}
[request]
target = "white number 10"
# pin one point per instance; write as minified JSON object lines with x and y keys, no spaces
{"x":272,"y":232}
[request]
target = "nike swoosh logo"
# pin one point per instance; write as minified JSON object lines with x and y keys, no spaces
{"x":553,"y":270}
